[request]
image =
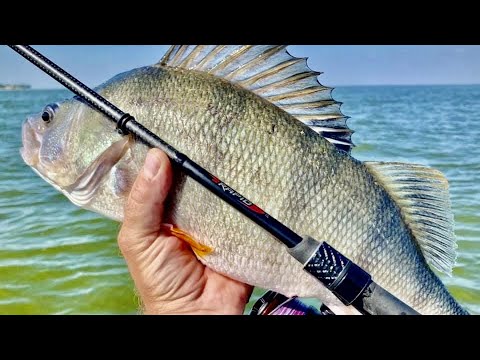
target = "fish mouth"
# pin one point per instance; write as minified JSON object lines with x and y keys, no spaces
{"x":31,"y":142}
{"x":30,"y":150}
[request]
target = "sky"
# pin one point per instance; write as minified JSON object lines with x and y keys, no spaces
{"x":341,"y":64}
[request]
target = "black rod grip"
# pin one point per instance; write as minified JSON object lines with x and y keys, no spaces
{"x":348,"y":281}
{"x":341,"y":276}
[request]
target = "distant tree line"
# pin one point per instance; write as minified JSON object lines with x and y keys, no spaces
{"x":14,"y":86}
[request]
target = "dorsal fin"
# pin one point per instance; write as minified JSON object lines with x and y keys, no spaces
{"x":271,"y":72}
{"x":423,"y":197}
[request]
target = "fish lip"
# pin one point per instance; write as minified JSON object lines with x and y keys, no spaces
{"x":31,"y":142}
{"x":30,"y":150}
{"x":32,"y":139}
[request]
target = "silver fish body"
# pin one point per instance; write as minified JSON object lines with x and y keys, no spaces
{"x":260,"y":150}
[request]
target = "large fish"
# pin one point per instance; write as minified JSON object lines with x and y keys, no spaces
{"x":258,"y":119}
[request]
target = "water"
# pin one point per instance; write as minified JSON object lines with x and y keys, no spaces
{"x":58,"y":259}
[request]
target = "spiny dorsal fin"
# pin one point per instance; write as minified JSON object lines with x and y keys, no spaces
{"x":423,"y":197}
{"x":271,"y":72}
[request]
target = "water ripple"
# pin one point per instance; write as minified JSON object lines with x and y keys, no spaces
{"x":58,"y":259}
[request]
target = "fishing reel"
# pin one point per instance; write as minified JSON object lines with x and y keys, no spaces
{"x":274,"y":303}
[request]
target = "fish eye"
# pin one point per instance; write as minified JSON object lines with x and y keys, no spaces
{"x":49,"y":112}
{"x":46,"y":116}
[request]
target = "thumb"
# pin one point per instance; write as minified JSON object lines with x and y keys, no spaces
{"x":144,"y":207}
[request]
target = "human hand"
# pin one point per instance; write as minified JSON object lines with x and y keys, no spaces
{"x":168,"y":276}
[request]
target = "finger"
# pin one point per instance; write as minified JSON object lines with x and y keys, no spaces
{"x":144,"y":207}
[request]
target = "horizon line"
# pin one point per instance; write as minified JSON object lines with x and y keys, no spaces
{"x":330,"y":86}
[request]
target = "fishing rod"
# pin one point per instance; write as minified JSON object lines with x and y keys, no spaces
{"x":348,"y":281}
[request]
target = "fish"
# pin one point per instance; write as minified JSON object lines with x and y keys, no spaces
{"x":261,"y":121}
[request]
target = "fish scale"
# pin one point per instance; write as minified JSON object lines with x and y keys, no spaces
{"x":312,"y":225}
{"x":261,"y":150}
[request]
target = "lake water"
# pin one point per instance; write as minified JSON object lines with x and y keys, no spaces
{"x":58,"y":259}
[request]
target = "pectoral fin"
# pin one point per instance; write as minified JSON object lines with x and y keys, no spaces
{"x":199,"y":249}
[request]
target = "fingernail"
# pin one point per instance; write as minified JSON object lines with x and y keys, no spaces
{"x":152,"y":165}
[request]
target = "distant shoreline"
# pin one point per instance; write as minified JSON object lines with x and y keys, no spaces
{"x":8,"y":87}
